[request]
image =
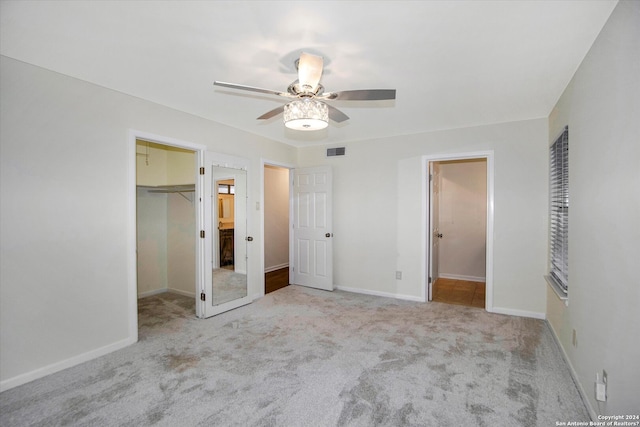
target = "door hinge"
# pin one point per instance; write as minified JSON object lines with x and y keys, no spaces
{"x":203,"y":297}
{"x":202,"y":171}
{"x":429,"y":279}
{"x":202,"y":234}
{"x":430,"y":177}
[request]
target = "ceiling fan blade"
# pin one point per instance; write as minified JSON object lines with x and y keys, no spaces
{"x":337,"y":115}
{"x":309,"y":71}
{"x":272,"y":113}
{"x":361,"y":95}
{"x":251,"y":88}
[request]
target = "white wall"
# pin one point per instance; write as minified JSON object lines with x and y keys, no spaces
{"x":181,"y":223}
{"x":64,"y":187}
{"x":276,"y":217}
{"x":151,"y":213}
{"x":601,"y":106}
{"x":181,"y":243}
{"x":151,"y":164}
{"x":165,"y":221}
{"x":377,"y":210}
{"x":463,"y":219}
{"x":181,"y":167}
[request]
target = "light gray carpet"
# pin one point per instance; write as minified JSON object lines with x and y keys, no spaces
{"x":303,"y":357}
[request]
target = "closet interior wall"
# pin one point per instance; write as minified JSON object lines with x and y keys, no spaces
{"x":165,"y":219}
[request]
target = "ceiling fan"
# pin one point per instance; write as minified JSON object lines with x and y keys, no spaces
{"x":307,"y":109}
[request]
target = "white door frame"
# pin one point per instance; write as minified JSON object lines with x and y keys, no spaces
{"x":132,"y":274}
{"x":434,"y":215}
{"x":263,"y":163}
{"x":488,"y":155}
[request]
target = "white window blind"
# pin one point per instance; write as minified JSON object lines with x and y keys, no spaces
{"x":559,"y":213}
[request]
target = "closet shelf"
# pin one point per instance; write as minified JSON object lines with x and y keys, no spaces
{"x":187,"y":188}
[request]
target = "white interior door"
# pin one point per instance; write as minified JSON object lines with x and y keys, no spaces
{"x":434,"y":219}
{"x":225,"y":284}
{"x":312,"y":227}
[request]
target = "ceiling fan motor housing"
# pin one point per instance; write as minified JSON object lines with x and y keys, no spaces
{"x":296,"y":89}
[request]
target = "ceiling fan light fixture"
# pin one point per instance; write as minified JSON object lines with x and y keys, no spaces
{"x":306,"y":114}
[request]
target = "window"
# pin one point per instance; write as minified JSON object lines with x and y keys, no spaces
{"x":559,"y":214}
{"x":226,"y":189}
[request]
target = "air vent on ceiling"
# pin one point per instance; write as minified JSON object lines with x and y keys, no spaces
{"x":337,"y":151}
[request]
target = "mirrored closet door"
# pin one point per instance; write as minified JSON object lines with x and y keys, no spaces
{"x":226,"y":237}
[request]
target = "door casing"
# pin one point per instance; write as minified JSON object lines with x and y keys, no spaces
{"x":426,"y":232}
{"x":434,"y":244}
{"x":198,"y":150}
{"x":267,"y":162}
{"x":319,"y":233}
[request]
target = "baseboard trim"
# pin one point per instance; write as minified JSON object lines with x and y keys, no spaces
{"x":461,"y":277}
{"x":151,"y":293}
{"x":276,"y":267}
{"x":180,"y":292}
{"x":64,"y":364}
{"x":162,"y":291}
{"x":574,"y":375}
{"x":379,"y":293}
{"x":519,"y":313}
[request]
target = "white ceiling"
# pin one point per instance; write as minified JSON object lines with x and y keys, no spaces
{"x":453,"y":63}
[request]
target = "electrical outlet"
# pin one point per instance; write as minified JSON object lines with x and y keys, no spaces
{"x":399,"y":275}
{"x":601,"y":387}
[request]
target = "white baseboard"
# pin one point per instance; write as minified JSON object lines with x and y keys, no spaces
{"x":519,"y":313}
{"x":180,"y":292}
{"x":276,"y":267}
{"x":64,"y":364}
{"x":379,"y":293}
{"x":574,"y":375}
{"x":461,"y":277}
{"x":162,"y":291}
{"x":152,"y":292}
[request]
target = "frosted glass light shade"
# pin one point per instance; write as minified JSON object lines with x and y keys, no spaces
{"x":306,"y":114}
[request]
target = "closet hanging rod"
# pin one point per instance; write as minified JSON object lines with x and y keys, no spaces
{"x":169,"y":188}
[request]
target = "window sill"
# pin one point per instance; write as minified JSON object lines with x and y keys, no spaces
{"x":557,"y":289}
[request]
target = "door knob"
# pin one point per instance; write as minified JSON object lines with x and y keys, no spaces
{"x":249,"y":239}
{"x":439,"y":235}
{"x":328,"y":235}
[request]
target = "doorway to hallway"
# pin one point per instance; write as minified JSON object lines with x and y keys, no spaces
{"x":459,"y":242}
{"x":276,"y":227}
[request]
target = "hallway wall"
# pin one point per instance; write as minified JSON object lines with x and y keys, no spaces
{"x":463,"y":219}
{"x":276,"y":218}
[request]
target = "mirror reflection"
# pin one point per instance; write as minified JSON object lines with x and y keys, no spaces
{"x":230,"y":246}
